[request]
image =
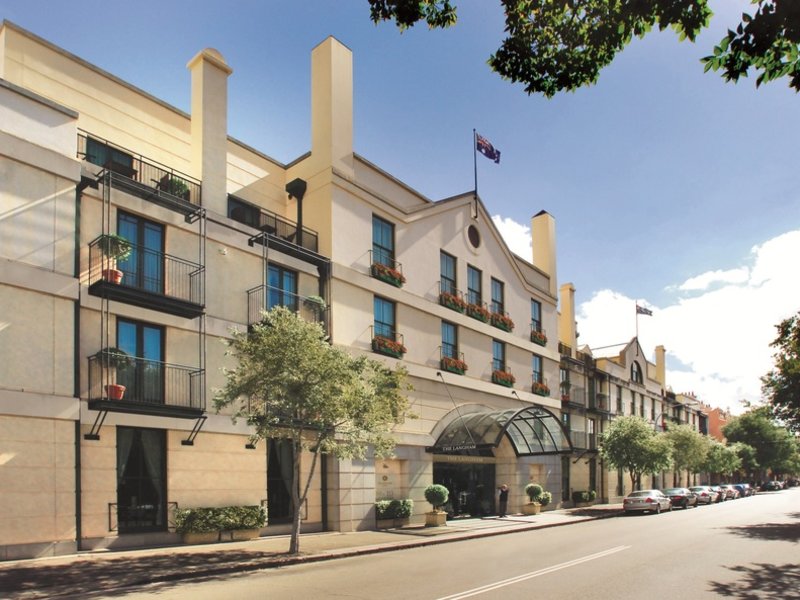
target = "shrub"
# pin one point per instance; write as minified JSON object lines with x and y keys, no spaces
{"x":394,"y":509}
{"x":437,"y":495}
{"x":546,"y":498}
{"x":228,"y":518}
{"x":584,"y":496}
{"x":534,"y":492}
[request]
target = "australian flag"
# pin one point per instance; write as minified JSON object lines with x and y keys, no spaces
{"x":485,"y":147}
{"x":641,"y":310}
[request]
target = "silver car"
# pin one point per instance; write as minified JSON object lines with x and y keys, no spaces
{"x":646,"y":500}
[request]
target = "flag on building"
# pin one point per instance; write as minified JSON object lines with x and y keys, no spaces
{"x":641,"y":310}
{"x":485,"y":147}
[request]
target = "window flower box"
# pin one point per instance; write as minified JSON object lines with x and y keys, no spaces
{"x":503,"y":378}
{"x":387,"y":274}
{"x":476,"y":311}
{"x":540,"y":389}
{"x":502,"y":321}
{"x":453,"y":365}
{"x":452,"y":302}
{"x":538,"y":337}
{"x":387,"y":347}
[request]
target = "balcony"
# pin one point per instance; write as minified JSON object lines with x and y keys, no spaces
{"x":140,"y":176}
{"x":452,"y":298}
{"x":564,"y":349}
{"x":538,"y":335}
{"x":147,"y":387}
{"x":387,"y":342}
{"x":452,"y":362}
{"x":599,"y":403}
{"x":582,"y":440}
{"x":539,"y":386}
{"x":272,"y":224}
{"x":576,"y":397}
{"x":263,"y":297}
{"x":503,"y":377}
{"x":501,"y":320}
{"x":149,"y":279}
{"x":387,"y":269}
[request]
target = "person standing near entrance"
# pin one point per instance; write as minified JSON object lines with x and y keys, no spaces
{"x":503,"y":497}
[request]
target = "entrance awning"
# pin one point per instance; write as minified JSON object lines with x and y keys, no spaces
{"x":532,"y":431}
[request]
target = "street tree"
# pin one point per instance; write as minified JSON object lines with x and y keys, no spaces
{"x":781,"y":386}
{"x":561,"y":45}
{"x":630,"y":443}
{"x":721,"y":460}
{"x":290,"y":383}
{"x":773,"y":444}
{"x":748,"y":460}
{"x":689,"y":450}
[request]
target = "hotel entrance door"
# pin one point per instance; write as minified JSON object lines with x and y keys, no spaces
{"x":471,"y":487}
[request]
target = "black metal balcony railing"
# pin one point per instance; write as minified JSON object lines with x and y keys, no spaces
{"x":384,"y":267}
{"x":564,"y":349}
{"x":539,"y":385}
{"x":599,"y":403}
{"x":386,"y":340}
{"x":577,"y":396}
{"x":582,"y":440}
{"x":271,"y":223}
{"x":149,"y":386}
{"x":139,"y":175}
{"x":263,"y":297}
{"x":450,"y":359}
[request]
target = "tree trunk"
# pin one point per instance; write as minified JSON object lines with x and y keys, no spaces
{"x":294,"y":543}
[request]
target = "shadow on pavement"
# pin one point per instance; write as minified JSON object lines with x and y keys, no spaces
{"x":111,"y":577}
{"x":761,"y":581}
{"x":789,"y":532}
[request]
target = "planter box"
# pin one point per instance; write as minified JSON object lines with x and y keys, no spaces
{"x":238,"y":535}
{"x":387,"y":274}
{"x":208,"y":537}
{"x":391,"y":523}
{"x":478,"y":312}
{"x":507,"y":380}
{"x":502,"y":322}
{"x":381,"y":347}
{"x":539,"y":338}
{"x":435,"y":519}
{"x":541,"y":391}
{"x":452,"y":302}
{"x":531,"y":508}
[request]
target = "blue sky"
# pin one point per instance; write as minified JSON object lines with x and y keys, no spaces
{"x":668,"y":185}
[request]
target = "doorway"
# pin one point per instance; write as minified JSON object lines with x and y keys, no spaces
{"x":471,"y":488}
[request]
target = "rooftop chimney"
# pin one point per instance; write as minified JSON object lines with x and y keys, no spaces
{"x":543,"y":232}
{"x":566,"y":318}
{"x":210,"y":126}
{"x":661,"y":366}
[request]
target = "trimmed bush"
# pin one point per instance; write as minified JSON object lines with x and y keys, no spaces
{"x":437,"y":495}
{"x":225,"y":518}
{"x":534,"y":492}
{"x":394,"y":509}
{"x":584,"y":496}
{"x":546,"y":498}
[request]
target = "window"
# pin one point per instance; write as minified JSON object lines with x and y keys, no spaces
{"x":143,"y":380}
{"x":636,"y":373}
{"x":619,"y":400}
{"x":633,"y":403}
{"x":447,"y":268}
{"x":99,"y":153}
{"x":498,"y":356}
{"x":474,"y":285}
{"x":144,"y":267}
{"x":384,"y":318}
{"x":281,"y":288}
{"x":563,"y":376}
{"x":641,"y":405}
{"x":243,"y":212}
{"x":449,"y":340}
{"x":536,"y":315}
{"x":382,"y":242}
{"x":653,"y":409}
{"x":498,"y":297}
{"x":565,"y":420}
{"x":536,"y":368}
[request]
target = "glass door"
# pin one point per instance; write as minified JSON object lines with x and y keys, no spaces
{"x":141,"y":480}
{"x":144,"y":381}
{"x":144,"y":268}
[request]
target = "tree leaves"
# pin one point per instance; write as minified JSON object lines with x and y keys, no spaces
{"x":782,"y":384}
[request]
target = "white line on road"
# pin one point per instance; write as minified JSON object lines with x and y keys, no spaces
{"x":505,"y":582}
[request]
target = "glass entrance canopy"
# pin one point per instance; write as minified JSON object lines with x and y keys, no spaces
{"x":532,"y":431}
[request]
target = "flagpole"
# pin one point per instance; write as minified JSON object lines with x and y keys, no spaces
{"x":475,"y":168}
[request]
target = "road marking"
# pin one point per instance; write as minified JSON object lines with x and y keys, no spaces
{"x":511,"y":581}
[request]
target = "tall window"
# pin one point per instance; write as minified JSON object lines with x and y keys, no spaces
{"x":653,"y":409}
{"x":474,"y":285}
{"x":633,"y":403}
{"x":243,"y":212}
{"x":641,"y":406}
{"x":536,"y":368}
{"x":498,"y":356}
{"x":498,"y":296}
{"x":447,"y":268}
{"x":536,"y":315}
{"x":382,"y":242}
{"x":563,"y":378}
{"x":282,"y":284}
{"x":619,"y":399}
{"x":144,"y":267}
{"x":144,"y":380}
{"x":141,"y":480}
{"x":384,"y":318}
{"x":449,"y":340}
{"x":636,"y":373}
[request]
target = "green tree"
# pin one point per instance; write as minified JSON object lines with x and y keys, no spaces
{"x":290,"y":383}
{"x":782,"y":384}
{"x":689,"y":449}
{"x":630,"y":443}
{"x":558,"y":45}
{"x":748,"y":460}
{"x":773,"y":444}
{"x":721,"y":460}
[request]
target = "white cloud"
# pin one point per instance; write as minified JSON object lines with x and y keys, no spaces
{"x":717,"y":340}
{"x":516,"y":236}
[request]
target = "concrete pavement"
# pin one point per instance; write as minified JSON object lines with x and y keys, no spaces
{"x":103,"y":572}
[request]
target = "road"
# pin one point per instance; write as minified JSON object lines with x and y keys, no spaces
{"x":747,"y":548}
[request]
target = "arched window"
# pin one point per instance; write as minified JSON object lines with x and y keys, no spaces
{"x":636,"y":373}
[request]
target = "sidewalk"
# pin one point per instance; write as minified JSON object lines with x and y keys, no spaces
{"x":92,"y":572}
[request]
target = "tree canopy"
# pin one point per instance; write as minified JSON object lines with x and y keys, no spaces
{"x":561,"y":45}
{"x":782,"y":384}
{"x":630,"y":443}
{"x":721,"y":459}
{"x":775,"y":448}
{"x":689,"y":448}
{"x":290,"y":383}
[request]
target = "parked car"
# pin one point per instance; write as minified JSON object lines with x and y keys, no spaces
{"x":731,"y":492}
{"x":771,"y":486}
{"x":744,"y":489}
{"x":682,"y":497}
{"x":721,"y":495}
{"x":646,"y":500}
{"x":705,"y":494}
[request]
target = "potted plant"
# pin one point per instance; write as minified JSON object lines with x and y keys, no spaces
{"x":476,"y":311}
{"x":538,"y":337}
{"x":437,"y":495}
{"x":534,"y":492}
{"x":112,"y":359}
{"x":452,"y":301}
{"x":565,"y":385}
{"x":540,"y":388}
{"x":502,"y":321}
{"x":546,"y":498}
{"x":177,"y":187}
{"x":453,"y":365}
{"x":503,"y":378}
{"x":242,"y":522}
{"x":387,"y":274}
{"x":197,"y":525}
{"x":115,"y":248}
{"x":316,"y":304}
{"x":393,"y":513}
{"x":584,"y":498}
{"x":383,"y":345}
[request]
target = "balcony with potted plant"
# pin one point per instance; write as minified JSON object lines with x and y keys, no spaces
{"x":387,"y":269}
{"x":539,"y":386}
{"x":453,"y":299}
{"x":538,"y":335}
{"x":501,"y":320}
{"x":478,"y":311}
{"x":503,"y":377}
{"x":388,"y":343}
{"x":453,"y":364}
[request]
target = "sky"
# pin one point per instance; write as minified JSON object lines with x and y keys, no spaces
{"x":670,"y":187}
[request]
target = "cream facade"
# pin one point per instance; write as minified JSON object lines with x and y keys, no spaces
{"x":215,"y":231}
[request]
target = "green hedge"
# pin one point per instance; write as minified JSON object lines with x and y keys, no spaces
{"x":224,"y":518}
{"x":394,"y":509}
{"x":584,"y":496}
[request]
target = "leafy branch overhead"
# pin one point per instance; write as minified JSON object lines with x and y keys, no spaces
{"x":561,"y":45}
